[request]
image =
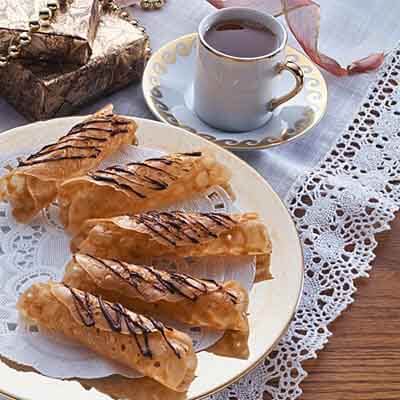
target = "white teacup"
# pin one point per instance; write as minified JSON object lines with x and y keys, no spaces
{"x":236,"y":94}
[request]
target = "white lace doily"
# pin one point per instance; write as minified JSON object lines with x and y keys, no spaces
{"x":40,"y":250}
{"x":338,"y":208}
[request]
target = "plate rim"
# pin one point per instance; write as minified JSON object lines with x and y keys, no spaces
{"x":146,"y":89}
{"x":15,"y":131}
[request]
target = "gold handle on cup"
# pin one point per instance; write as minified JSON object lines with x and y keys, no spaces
{"x":298,"y":74}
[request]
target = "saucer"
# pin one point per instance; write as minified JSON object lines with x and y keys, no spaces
{"x":168,"y":90}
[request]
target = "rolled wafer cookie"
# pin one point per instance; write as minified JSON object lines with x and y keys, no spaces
{"x":111,"y":330}
{"x":34,"y":184}
{"x":138,"y":186}
{"x":158,"y":293}
{"x":176,"y":234}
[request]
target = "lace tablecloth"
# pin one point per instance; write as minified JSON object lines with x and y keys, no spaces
{"x":350,"y":196}
{"x":341,"y":185}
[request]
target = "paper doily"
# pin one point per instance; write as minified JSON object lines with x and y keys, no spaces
{"x":39,"y":251}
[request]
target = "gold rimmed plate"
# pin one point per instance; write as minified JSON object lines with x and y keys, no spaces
{"x":168,"y":90}
{"x":272,"y":303}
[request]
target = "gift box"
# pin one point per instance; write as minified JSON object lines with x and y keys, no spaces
{"x":53,"y":30}
{"x":120,"y":51}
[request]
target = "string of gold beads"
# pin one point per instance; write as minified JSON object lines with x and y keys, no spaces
{"x":152,"y":4}
{"x":47,"y":13}
{"x":110,"y":5}
{"x":24,"y":39}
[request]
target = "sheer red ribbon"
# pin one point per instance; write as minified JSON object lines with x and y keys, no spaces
{"x":303,"y":19}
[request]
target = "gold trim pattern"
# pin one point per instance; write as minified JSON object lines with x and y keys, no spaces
{"x":315,"y":89}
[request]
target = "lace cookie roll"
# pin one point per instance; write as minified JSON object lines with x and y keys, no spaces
{"x":138,"y":186}
{"x":176,"y":234}
{"x":109,"y":329}
{"x":158,"y":293}
{"x":33,"y":185}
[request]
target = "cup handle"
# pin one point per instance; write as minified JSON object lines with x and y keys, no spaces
{"x":298,"y":74}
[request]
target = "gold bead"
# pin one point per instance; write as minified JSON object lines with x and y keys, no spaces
{"x":135,"y":22}
{"x":158,"y":4}
{"x":53,"y":5}
{"x":25,"y":39}
{"x":13,"y":51}
{"x":45,"y":14}
{"x":145,"y":4}
{"x":3,"y":61}
{"x":34,"y":25}
{"x":45,"y":23}
{"x":124,"y":15}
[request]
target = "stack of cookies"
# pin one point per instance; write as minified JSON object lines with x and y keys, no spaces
{"x":110,"y":299}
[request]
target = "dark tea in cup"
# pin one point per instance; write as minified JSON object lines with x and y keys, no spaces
{"x":241,"y":38}
{"x":241,"y":53}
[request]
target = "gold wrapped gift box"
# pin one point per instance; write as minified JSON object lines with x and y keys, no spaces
{"x":42,"y":90}
{"x":62,"y":30}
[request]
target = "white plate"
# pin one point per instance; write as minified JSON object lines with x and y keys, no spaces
{"x":272,"y":303}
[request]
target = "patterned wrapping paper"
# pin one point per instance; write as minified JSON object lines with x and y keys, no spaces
{"x":44,"y":91}
{"x":69,"y":38}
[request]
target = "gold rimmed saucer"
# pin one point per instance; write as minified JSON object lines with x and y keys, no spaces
{"x":168,"y":90}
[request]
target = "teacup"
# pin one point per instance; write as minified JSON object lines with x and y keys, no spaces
{"x":237,"y":93}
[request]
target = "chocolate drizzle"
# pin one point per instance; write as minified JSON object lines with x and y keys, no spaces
{"x":187,"y":219}
{"x":25,"y":164}
{"x":180,"y":284}
{"x":83,"y":307}
{"x":221,"y":219}
{"x":155,"y":226}
{"x":150,"y":166}
{"x":129,"y":276}
{"x":178,"y":226}
{"x":159,"y":184}
{"x":169,"y":161}
{"x":117,"y":316}
{"x":163,"y":160}
{"x":135,"y":176}
{"x":161,"y":328}
{"x":98,"y":176}
{"x":192,"y":154}
{"x":174,"y":283}
{"x":77,"y":143}
{"x":84,"y":138}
